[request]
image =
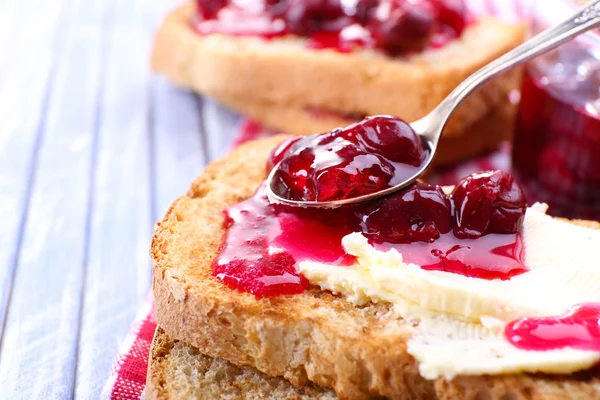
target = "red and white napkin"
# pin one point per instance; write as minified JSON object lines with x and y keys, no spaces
{"x":128,"y":377}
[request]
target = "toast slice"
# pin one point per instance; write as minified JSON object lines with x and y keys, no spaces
{"x":482,"y":137}
{"x":360,"y":352}
{"x":284,"y":72}
{"x":179,"y":371}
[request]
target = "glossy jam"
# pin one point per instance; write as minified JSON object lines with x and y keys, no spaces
{"x":556,"y":155}
{"x":488,"y":202}
{"x":374,"y":154}
{"x":489,"y":257}
{"x":578,"y":328}
{"x":254,"y":228}
{"x":264,"y":242}
{"x":394,"y":26}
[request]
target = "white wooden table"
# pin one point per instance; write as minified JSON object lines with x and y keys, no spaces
{"x":93,"y":149}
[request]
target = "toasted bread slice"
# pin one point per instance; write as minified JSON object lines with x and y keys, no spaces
{"x":179,"y":371}
{"x":482,"y":137}
{"x":284,"y":72}
{"x":360,"y":352}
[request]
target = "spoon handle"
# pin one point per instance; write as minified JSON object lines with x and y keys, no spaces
{"x":584,"y":20}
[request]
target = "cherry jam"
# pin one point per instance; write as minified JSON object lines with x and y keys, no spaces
{"x":394,"y":26}
{"x":264,"y":241}
{"x":263,"y":244}
{"x":578,"y":328}
{"x":372,"y":155}
{"x":556,"y":154}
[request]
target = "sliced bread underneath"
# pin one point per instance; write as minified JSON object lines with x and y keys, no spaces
{"x":179,"y":371}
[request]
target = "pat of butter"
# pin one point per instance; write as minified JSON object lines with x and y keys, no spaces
{"x":462,"y":319}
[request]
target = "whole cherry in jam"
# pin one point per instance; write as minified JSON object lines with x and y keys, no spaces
{"x":488,"y":202}
{"x":305,"y":17}
{"x":420,"y":213}
{"x":407,"y":28}
{"x":391,"y":137}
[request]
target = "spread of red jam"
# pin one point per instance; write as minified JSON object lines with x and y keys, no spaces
{"x":265,"y":241}
{"x":578,"y":328}
{"x":394,"y":26}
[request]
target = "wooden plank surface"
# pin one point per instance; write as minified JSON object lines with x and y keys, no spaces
{"x":118,"y":270}
{"x":93,"y":149}
{"x":20,"y":132}
{"x":39,"y":345}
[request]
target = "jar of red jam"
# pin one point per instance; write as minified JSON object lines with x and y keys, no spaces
{"x":556,"y":152}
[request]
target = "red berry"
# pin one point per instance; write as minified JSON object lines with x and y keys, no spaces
{"x":419,"y":214}
{"x":208,"y":9}
{"x":408,"y":28}
{"x":305,"y":17}
{"x":292,"y":175}
{"x":488,"y":202}
{"x":452,"y":13}
{"x":389,"y":136}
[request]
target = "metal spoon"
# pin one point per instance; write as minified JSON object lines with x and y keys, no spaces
{"x":431,"y":126}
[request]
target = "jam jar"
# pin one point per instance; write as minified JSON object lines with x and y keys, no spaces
{"x":556,"y":152}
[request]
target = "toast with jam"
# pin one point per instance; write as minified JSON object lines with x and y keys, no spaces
{"x":243,"y":59}
{"x":314,"y":335}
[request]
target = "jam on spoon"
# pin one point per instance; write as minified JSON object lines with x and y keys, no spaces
{"x":264,"y":241}
{"x":365,"y":157}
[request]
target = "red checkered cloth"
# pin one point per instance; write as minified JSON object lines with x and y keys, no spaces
{"x":128,"y":377}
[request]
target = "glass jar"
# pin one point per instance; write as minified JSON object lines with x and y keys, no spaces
{"x":556,"y":152}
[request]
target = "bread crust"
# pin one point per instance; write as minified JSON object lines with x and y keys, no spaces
{"x":482,"y":137}
{"x":283,"y":71}
{"x":359,"y":352}
{"x":177,"y":370}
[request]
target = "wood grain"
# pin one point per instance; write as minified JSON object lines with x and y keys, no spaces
{"x":93,"y":149}
{"x":39,"y":344}
{"x":118,"y":271}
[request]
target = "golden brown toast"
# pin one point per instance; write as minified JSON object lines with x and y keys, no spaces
{"x":177,"y":370}
{"x":360,"y":352}
{"x":283,"y":72}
